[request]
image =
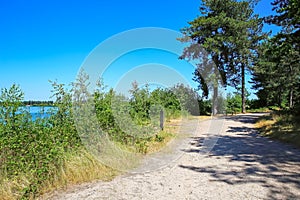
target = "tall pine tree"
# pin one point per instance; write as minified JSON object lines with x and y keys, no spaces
{"x":230,"y":32}
{"x":277,"y":74}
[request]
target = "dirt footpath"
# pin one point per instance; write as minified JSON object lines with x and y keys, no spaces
{"x":220,"y":160}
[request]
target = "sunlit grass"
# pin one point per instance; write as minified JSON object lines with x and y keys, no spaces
{"x":11,"y":189}
{"x":259,"y":110}
{"x":78,"y":168}
{"x":265,"y":124}
{"x":159,"y":141}
{"x":283,"y":127}
{"x":201,"y":117}
{"x":170,"y":132}
{"x":162,"y":138}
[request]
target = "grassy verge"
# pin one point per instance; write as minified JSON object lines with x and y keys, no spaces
{"x":164,"y":137}
{"x":281,"y":126}
{"x":78,"y":168}
{"x":201,"y":117}
{"x":259,"y":110}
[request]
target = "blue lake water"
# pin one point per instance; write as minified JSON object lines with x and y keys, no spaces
{"x":39,"y":111}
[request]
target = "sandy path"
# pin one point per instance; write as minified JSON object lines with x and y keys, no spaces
{"x":241,"y":165}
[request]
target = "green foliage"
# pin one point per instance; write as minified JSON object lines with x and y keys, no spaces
{"x":104,"y":111}
{"x":11,"y":101}
{"x":276,"y":75}
{"x":166,"y":98}
{"x":204,"y":107}
{"x":230,"y":33}
{"x":277,"y":72}
{"x":234,"y":103}
{"x":140,"y":102}
{"x":36,"y":149}
{"x":288,"y":17}
{"x":187,"y":97}
{"x":61,"y":120}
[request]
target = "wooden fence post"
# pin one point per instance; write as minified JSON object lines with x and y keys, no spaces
{"x":162,"y":119}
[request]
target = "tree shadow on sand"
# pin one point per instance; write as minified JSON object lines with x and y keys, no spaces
{"x":252,"y":159}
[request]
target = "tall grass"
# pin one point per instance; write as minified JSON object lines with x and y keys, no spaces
{"x":77,"y":168}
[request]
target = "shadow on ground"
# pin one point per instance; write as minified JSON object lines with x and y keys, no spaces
{"x":252,"y":159}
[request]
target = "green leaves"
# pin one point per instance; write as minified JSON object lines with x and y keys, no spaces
{"x":34,"y":148}
{"x":278,"y":72}
{"x":233,"y":103}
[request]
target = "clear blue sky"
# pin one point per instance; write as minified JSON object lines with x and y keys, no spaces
{"x":49,"y":40}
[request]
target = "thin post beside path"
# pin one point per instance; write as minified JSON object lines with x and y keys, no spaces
{"x":162,"y":119}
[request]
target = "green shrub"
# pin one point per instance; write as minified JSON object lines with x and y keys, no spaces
{"x":233,"y":103}
{"x":34,"y":148}
{"x":33,"y":151}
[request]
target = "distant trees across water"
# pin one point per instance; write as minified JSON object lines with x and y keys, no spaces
{"x":38,"y":103}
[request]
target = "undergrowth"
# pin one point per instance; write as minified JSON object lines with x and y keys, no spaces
{"x":282,"y":126}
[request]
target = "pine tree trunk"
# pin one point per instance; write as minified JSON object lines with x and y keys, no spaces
{"x":291,"y":98}
{"x":291,"y":88}
{"x":215,"y":94}
{"x":214,"y":101}
{"x":243,"y":90}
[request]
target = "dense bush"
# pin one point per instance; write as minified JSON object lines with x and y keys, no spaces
{"x":35,"y":149}
{"x":204,"y":106}
{"x":233,"y":103}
